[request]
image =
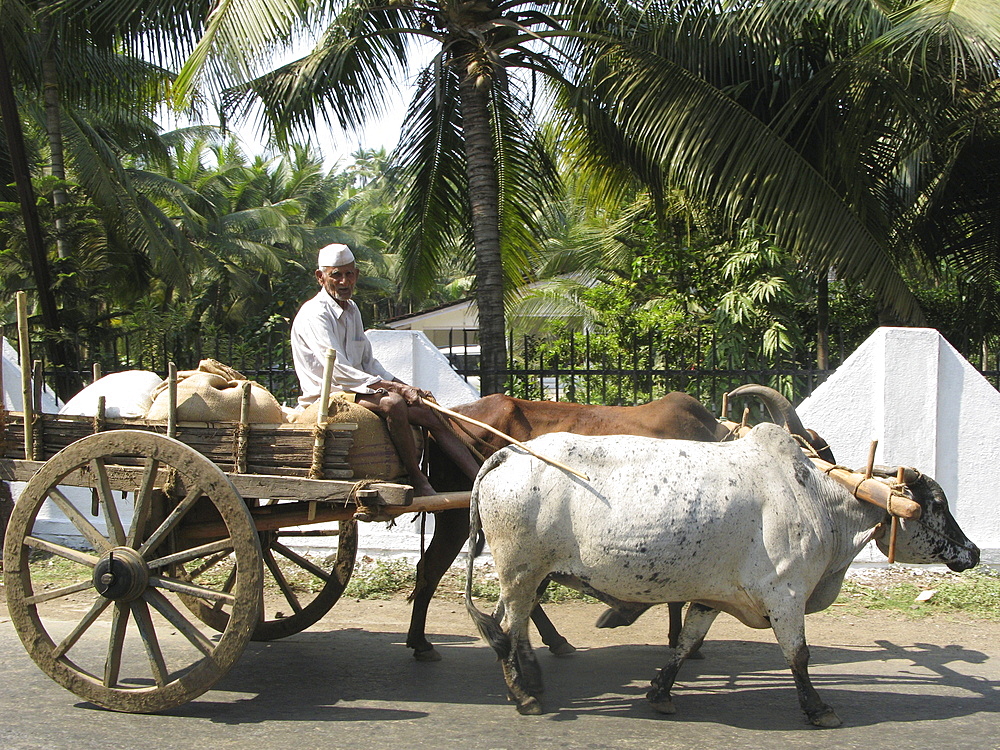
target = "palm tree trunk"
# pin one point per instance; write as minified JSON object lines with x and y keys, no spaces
{"x":58,"y":350}
{"x":484,"y":201}
{"x":53,"y":128}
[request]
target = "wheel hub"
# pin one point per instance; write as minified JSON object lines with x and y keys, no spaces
{"x":121,"y":574}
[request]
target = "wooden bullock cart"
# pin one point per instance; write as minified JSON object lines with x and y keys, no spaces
{"x":184,"y":524}
{"x":184,"y":527}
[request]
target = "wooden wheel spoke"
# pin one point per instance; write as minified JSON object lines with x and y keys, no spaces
{"x":84,"y":526}
{"x":111,"y":517}
{"x":100,"y":604}
{"x":59,"y":593}
{"x":282,"y":582}
{"x":116,"y":644}
{"x":301,"y":561}
{"x":171,"y":521}
{"x":163,"y":605}
{"x":230,"y":581}
{"x":143,"y":501}
{"x":67,"y":553}
{"x":206,"y":565}
{"x":140,"y":612}
{"x":191,"y":589}
{"x":223,"y":545}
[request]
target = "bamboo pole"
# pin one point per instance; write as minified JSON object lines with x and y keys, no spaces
{"x":25,"y":347}
{"x":322,"y":414}
{"x":894,"y":524}
{"x":508,"y":438}
{"x":870,"y":466}
{"x":242,"y":430}
{"x":171,"y":400}
{"x":37,"y":378}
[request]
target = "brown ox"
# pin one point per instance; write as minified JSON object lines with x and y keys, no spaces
{"x":676,"y":415}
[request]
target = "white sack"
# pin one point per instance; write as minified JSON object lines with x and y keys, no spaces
{"x":126,"y":394}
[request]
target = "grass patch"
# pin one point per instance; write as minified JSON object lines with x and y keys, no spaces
{"x":974,"y":593}
{"x":486,"y":586}
{"x":916,"y":593}
{"x":380,"y":579}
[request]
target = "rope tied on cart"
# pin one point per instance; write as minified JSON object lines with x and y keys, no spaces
{"x":318,"y":451}
{"x":364,"y":511}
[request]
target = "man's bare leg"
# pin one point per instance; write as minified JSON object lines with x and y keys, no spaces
{"x":393,"y":409}
{"x":450,"y":443}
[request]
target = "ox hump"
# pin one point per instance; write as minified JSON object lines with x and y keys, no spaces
{"x":774,"y":439}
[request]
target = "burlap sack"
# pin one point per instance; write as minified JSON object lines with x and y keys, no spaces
{"x":212,"y":393}
{"x":373,"y":455}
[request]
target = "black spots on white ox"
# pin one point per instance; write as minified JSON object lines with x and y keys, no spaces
{"x":748,"y":527}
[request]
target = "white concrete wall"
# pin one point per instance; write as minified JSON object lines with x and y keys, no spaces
{"x":12,"y":384}
{"x":929,"y":408}
{"x":411,"y":357}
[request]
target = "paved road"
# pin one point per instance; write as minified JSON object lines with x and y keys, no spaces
{"x":349,"y":683}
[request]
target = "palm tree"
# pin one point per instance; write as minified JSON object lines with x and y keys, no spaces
{"x":84,"y":104}
{"x":854,"y":131}
{"x":469,"y":154}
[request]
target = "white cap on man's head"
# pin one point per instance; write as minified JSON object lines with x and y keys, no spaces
{"x":334,"y":255}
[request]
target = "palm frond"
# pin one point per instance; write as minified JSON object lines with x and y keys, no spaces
{"x":430,"y":165}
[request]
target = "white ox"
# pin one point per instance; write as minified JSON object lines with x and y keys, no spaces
{"x":748,"y":527}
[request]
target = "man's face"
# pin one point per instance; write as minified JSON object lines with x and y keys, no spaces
{"x":338,"y":281}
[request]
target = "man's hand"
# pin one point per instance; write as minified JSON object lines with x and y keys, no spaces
{"x":411,"y":394}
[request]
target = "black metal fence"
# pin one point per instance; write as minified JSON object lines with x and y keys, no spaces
{"x":574,"y":370}
{"x":265,"y":357}
{"x":579,"y":370}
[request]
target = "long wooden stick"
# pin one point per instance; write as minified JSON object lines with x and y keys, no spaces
{"x":27,"y":407}
{"x":508,"y":438}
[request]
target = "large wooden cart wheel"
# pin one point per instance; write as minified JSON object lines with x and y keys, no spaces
{"x":116,"y":635}
{"x":307,"y":589}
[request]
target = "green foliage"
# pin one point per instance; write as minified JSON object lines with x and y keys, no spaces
{"x":380,"y":579}
{"x":973,"y":593}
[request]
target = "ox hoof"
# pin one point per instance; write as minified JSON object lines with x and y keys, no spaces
{"x":530,"y":707}
{"x":430,"y":654}
{"x":611,"y":618}
{"x":826,"y":719}
{"x":663,"y":705}
{"x":563,"y":649}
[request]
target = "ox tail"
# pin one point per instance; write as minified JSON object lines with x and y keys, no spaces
{"x":487,"y":625}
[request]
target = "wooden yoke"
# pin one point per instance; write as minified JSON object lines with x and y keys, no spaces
{"x":870,"y":490}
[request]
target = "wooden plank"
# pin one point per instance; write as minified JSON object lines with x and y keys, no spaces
{"x":301,"y":488}
{"x":127,"y":478}
{"x":272,"y":517}
{"x":296,"y":472}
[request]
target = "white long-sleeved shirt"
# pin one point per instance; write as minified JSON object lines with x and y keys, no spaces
{"x":321,"y":323}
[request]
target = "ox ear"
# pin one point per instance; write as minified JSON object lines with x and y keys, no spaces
{"x":910,"y":475}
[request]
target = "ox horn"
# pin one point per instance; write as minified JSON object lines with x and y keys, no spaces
{"x":910,"y":476}
{"x":779,"y":407}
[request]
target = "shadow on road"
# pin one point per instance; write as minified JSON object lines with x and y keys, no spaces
{"x":354,"y":675}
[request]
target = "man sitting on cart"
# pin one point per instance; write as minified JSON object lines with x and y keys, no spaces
{"x":332,"y":319}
